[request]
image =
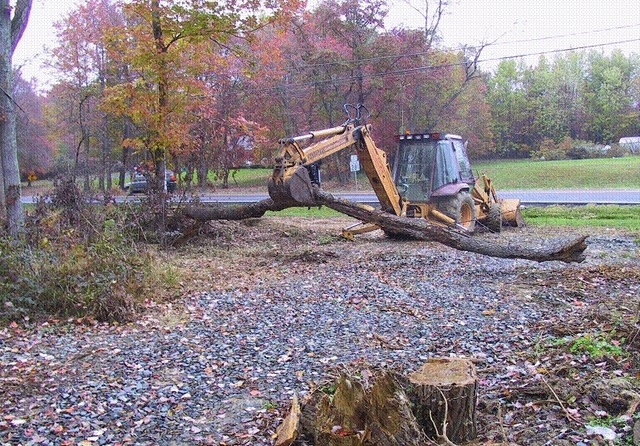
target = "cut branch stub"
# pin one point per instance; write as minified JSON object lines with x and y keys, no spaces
{"x":288,"y":431}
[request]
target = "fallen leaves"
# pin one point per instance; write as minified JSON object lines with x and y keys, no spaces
{"x":221,"y":364}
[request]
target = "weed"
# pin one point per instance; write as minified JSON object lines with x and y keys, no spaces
{"x":327,"y":240}
{"x":269,"y":405}
{"x":620,"y":425}
{"x":328,"y":389}
{"x":597,"y":347}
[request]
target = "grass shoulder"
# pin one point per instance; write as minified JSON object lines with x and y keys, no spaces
{"x":601,"y":173}
{"x":594,"y":216}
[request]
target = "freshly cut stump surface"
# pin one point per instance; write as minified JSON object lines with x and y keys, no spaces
{"x":445,"y":387}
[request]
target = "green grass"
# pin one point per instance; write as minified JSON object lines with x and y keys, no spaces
{"x":249,"y":178}
{"x":603,"y":216}
{"x":602,"y":173}
{"x":609,"y":216}
{"x":322,"y":212}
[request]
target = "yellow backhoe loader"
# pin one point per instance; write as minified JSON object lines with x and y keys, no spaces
{"x":431,"y":177}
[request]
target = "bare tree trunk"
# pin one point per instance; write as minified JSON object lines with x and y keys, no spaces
{"x":3,"y":201}
{"x":127,"y":133}
{"x":11,"y":30}
{"x":87,"y":147}
{"x":565,"y":250}
{"x":202,"y":171}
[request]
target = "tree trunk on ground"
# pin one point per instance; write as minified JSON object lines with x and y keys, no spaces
{"x":556,"y":249}
{"x":11,"y":30}
{"x":565,"y":250}
{"x":222,"y":212}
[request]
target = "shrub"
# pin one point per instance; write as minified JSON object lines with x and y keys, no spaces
{"x":549,"y":150}
{"x":107,"y":280}
{"x":576,"y":150}
{"x":617,"y":151}
{"x":79,"y":258}
{"x":577,"y":153}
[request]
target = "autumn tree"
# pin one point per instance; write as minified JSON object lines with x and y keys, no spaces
{"x":607,"y":95}
{"x":157,"y":43}
{"x":34,"y":146}
{"x":222,"y":137}
{"x":85,"y":70}
{"x":12,"y":25}
{"x":326,"y":54}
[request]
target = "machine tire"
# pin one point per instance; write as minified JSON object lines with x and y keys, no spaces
{"x":494,"y":218}
{"x":461,"y":208}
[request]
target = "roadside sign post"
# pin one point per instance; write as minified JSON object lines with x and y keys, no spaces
{"x":355,"y":168}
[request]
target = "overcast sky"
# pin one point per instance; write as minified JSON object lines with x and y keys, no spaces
{"x":514,"y":27}
{"x":535,"y":26}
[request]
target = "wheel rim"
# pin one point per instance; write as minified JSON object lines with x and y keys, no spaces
{"x":466,"y":215}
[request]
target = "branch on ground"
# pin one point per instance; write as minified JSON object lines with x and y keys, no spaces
{"x":565,"y":250}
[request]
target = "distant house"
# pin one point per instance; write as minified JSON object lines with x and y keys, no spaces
{"x":632,"y":143}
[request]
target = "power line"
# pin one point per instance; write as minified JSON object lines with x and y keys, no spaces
{"x":577,"y":48}
{"x":562,"y":36}
{"x":482,"y":46}
{"x":406,"y":71}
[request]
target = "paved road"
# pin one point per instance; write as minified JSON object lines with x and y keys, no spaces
{"x":527,"y":197}
{"x":577,"y":197}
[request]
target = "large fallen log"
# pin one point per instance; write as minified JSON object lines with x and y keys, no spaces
{"x":201,"y":212}
{"x":565,"y":250}
{"x":562,"y":249}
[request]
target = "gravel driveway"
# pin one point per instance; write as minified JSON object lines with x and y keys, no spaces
{"x":280,"y":306}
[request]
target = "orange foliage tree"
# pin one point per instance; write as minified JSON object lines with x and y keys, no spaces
{"x":164,"y":45}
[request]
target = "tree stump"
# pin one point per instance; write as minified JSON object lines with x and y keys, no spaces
{"x":444,"y":394}
{"x":358,"y":415}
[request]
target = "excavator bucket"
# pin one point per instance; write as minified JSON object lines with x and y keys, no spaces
{"x":511,"y":215}
{"x":291,"y":186}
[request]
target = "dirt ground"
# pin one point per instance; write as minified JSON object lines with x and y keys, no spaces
{"x":271,"y":307}
{"x":569,"y":375}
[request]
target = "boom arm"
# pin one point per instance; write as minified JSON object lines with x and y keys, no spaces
{"x":290,"y":182}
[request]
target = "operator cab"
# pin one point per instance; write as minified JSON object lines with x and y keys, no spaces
{"x":431,"y":165}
